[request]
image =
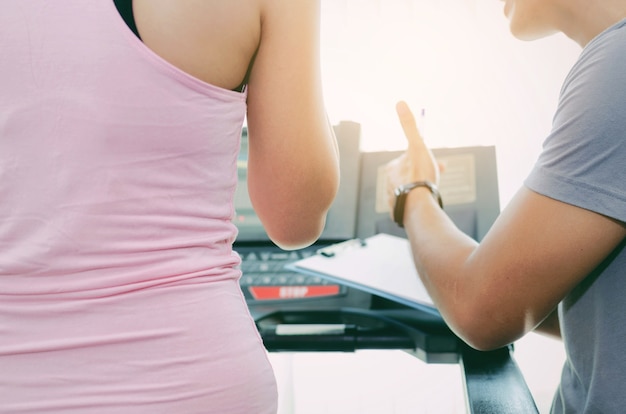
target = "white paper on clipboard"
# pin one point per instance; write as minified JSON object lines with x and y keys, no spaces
{"x":382,"y":265}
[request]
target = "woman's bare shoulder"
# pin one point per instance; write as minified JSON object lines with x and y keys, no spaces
{"x":212,"y":40}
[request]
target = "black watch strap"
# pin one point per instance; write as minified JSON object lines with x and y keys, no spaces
{"x":401,"y":194}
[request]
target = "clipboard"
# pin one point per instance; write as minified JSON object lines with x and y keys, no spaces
{"x":381,"y":264}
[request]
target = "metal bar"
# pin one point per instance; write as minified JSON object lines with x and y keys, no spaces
{"x":494,"y":384}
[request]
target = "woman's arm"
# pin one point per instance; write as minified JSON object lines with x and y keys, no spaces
{"x":293,"y":166}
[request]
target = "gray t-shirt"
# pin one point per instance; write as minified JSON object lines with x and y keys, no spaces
{"x":583,"y":163}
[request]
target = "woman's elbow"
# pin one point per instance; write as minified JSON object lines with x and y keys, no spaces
{"x":302,"y":227}
{"x":294,"y":239}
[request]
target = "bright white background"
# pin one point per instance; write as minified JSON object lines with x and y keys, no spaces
{"x":454,"y":58}
{"x":478,"y":86}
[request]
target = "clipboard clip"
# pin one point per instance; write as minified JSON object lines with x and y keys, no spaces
{"x":335,"y":249}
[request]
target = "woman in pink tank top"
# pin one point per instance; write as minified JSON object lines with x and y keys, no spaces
{"x":119,"y":287}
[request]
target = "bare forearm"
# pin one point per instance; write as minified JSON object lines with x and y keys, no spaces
{"x":441,"y":253}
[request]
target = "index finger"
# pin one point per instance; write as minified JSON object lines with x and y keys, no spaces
{"x":409,"y":125}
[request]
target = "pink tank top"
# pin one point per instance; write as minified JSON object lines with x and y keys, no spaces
{"x":118,"y":284}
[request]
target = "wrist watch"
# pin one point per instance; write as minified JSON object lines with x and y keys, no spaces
{"x":401,"y":193}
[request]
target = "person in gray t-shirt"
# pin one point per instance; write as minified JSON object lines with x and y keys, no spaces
{"x":555,"y":259}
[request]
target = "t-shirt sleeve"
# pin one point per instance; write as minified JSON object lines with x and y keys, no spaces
{"x":583,"y":161}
